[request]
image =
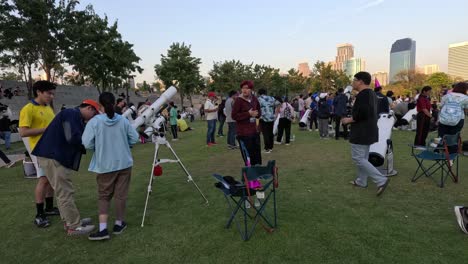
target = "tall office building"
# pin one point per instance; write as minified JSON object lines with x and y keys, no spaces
{"x":458,"y":60}
{"x":381,"y":76}
{"x":344,"y":53}
{"x":354,"y":65}
{"x":304,"y":69}
{"x":431,"y":68}
{"x":402,"y":57}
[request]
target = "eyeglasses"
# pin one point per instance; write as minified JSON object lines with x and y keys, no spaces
{"x":355,"y":80}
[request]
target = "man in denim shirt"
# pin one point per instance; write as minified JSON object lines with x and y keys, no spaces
{"x":267,"y":119}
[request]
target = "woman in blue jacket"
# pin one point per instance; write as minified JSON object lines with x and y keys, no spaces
{"x":110,"y":136}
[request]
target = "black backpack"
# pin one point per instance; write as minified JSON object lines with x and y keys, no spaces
{"x":323,"y":110}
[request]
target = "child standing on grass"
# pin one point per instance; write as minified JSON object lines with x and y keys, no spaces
{"x":110,"y":136}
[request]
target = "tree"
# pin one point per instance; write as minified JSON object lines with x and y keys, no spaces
{"x":410,"y":80}
{"x":11,"y":76}
{"x":179,"y":68}
{"x":438,"y":81}
{"x":295,"y":82}
{"x":96,"y":50}
{"x":38,"y":26}
{"x":325,"y":79}
{"x":17,"y":45}
{"x":228,"y":75}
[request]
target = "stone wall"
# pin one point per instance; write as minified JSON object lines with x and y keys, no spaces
{"x":72,"y":96}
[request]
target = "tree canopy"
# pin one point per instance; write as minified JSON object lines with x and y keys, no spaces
{"x":49,"y":34}
{"x":181,"y":69}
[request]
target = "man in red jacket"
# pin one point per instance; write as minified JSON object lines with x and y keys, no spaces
{"x":246,"y":111}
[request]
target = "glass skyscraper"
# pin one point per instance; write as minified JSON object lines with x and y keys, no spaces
{"x":354,"y":65}
{"x":402,"y":57}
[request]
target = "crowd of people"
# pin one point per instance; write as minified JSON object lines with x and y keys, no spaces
{"x":10,"y":92}
{"x":57,"y":142}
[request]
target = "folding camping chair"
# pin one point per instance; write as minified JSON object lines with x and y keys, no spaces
{"x":239,"y":197}
{"x":441,"y":159}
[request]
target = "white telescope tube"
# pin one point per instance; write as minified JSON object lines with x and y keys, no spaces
{"x":155,"y":126}
{"x":378,"y":150}
{"x":128,"y":113}
{"x":149,"y":113}
{"x":410,"y":115}
{"x":303,"y":122}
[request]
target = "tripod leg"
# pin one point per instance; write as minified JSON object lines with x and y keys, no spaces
{"x":150,"y":184}
{"x":190,"y":179}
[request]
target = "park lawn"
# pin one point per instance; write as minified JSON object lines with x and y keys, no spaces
{"x":322,"y":219}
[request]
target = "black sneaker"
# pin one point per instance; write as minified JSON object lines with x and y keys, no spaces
{"x":51,"y":212}
{"x":101,"y":235}
{"x":118,"y":229}
{"x":41,"y":221}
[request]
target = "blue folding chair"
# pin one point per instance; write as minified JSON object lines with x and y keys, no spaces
{"x":239,"y":198}
{"x":443,"y":159}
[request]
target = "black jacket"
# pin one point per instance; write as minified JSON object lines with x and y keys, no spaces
{"x":62,"y":139}
{"x":364,"y":130}
{"x":382,"y":103}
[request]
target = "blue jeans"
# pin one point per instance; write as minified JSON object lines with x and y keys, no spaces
{"x":210,"y":134}
{"x":5,"y":135}
{"x":360,"y":155}
{"x":231,"y":137}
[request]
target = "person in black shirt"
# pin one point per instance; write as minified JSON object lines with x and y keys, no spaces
{"x":364,"y":132}
{"x":382,"y":102}
{"x":339,"y":106}
{"x":119,"y":106}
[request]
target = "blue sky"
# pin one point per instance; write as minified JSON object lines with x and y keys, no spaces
{"x":284,"y":33}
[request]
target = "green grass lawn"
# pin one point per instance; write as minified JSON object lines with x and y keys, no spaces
{"x":322,"y":219}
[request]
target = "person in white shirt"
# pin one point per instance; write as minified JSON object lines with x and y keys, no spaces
{"x":211,"y":112}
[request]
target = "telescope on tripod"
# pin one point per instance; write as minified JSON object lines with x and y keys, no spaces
{"x":155,"y":124}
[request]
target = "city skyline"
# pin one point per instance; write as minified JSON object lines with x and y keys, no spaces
{"x":273,"y":33}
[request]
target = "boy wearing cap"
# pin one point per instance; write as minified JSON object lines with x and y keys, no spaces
{"x":211,"y":116}
{"x":59,"y":152}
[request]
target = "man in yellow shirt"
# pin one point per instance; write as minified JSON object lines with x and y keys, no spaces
{"x":33,"y":121}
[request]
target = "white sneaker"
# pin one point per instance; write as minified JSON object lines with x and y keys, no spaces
{"x":175,"y":139}
{"x":9,"y":165}
{"x":277,"y":143}
{"x":247,"y":204}
{"x":81,"y":230}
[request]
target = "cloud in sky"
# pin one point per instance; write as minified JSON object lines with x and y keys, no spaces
{"x":370,"y":4}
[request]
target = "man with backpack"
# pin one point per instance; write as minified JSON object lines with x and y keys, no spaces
{"x":267,"y":119}
{"x":339,"y":106}
{"x":286,"y":116}
{"x":323,"y":115}
{"x":454,"y":105}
